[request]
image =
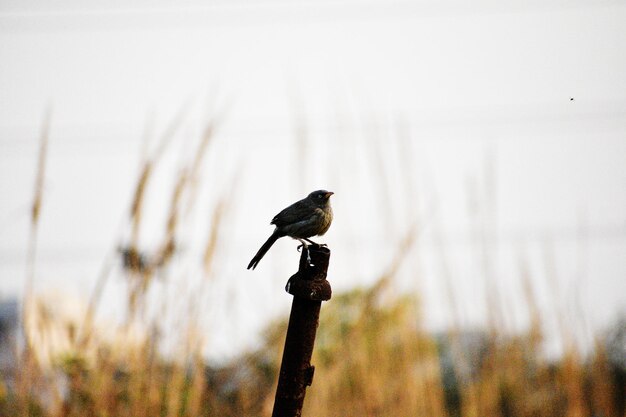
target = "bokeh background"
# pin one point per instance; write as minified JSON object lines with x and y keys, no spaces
{"x":478,"y":152}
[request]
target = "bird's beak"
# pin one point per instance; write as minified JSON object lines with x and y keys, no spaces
{"x":328,"y":194}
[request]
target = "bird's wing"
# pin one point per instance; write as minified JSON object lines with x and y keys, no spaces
{"x":296,"y":212}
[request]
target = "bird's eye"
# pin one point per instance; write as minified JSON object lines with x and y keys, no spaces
{"x":319,"y":196}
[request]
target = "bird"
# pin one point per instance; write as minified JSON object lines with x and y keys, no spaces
{"x":305,"y":218}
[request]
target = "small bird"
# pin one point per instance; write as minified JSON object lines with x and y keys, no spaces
{"x":308,"y":217}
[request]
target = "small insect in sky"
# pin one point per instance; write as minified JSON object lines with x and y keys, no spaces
{"x":571,"y":99}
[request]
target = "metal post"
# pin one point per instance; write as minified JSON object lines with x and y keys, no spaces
{"x":309,"y":288}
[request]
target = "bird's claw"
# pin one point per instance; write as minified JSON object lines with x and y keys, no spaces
{"x":304,"y":245}
{"x":316,"y":245}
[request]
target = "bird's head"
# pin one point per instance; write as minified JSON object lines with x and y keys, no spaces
{"x":320,"y":197}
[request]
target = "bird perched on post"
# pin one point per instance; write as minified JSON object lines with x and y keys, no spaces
{"x":308,"y":217}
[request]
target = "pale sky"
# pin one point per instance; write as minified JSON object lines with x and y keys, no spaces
{"x":484,"y":94}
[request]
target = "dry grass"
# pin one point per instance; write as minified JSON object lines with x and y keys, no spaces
{"x":373,"y":356}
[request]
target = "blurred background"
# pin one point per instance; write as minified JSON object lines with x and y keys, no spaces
{"x":477,"y":155}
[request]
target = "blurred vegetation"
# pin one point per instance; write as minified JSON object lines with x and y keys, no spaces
{"x":373,"y":356}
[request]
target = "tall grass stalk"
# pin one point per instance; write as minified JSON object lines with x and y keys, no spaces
{"x":373,"y":354}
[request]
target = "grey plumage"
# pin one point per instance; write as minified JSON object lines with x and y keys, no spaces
{"x":308,"y":217}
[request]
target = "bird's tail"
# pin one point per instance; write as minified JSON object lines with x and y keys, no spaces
{"x":266,"y":246}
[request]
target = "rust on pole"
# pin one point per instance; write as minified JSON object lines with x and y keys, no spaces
{"x":309,"y":288}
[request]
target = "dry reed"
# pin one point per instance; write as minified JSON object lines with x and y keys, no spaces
{"x":373,"y":356}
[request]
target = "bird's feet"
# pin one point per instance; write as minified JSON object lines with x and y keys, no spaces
{"x":304,"y":246}
{"x":316,"y":245}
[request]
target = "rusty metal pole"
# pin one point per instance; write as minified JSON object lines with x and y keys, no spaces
{"x":309,"y":288}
